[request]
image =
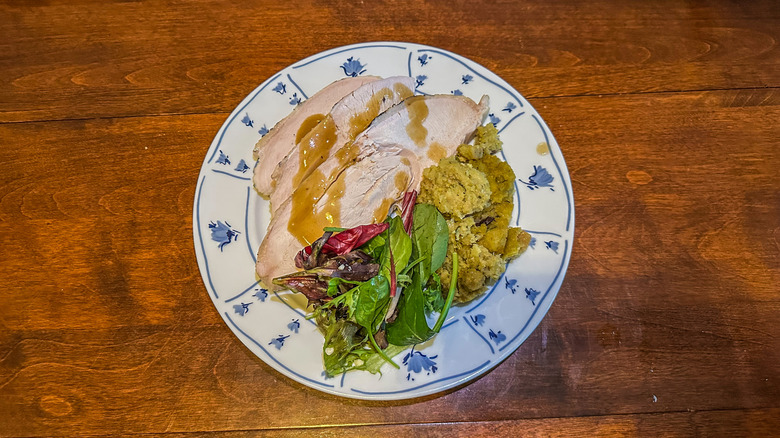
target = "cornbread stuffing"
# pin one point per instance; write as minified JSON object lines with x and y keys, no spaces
{"x":474,"y":191}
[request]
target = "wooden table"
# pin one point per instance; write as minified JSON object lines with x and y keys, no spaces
{"x":668,"y":321}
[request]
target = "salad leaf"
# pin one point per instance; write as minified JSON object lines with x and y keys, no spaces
{"x":434,"y":301}
{"x":400,"y":243}
{"x":411,"y":327}
{"x":352,"y":280}
{"x":376,"y":246}
{"x":346,"y":345}
{"x":338,"y":244}
{"x":430,"y":235}
{"x":373,"y":361}
{"x":371,"y":300}
{"x":450,"y":294}
{"x":350,"y":350}
{"x":335,"y":285}
{"x":307,"y":283}
{"x":341,"y":338}
{"x":407,"y":206}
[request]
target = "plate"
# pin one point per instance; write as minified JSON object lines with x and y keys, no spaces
{"x":229,"y":221}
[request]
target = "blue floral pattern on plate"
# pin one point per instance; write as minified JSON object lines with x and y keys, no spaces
{"x":416,"y":362}
{"x":531,"y":294}
{"x":278,"y":341}
{"x":353,"y":67}
{"x":272,"y":324}
{"x":280,"y":88}
{"x":242,"y":166}
{"x":247,"y":121}
{"x":241,"y":309}
{"x":223,"y":159}
{"x":497,"y":337}
{"x":223,"y":233}
{"x":540,"y":178}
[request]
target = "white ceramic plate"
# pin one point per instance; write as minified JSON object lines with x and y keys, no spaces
{"x":229,"y":221}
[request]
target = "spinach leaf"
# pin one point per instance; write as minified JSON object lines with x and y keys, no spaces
{"x":400,"y":244}
{"x":429,"y":239}
{"x":371,"y":300}
{"x":376,"y":246}
{"x":411,"y":327}
{"x":430,"y":235}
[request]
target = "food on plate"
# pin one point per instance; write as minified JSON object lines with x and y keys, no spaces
{"x":322,"y":152}
{"x":373,"y":285}
{"x":455,"y":188}
{"x":271,"y":149}
{"x":347,"y":230}
{"x":474,"y":192}
{"x":359,"y":192}
{"x":403,"y":140}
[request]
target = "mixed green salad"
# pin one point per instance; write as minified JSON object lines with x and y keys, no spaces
{"x":373,"y":286}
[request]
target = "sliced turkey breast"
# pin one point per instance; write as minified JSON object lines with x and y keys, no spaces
{"x":362,"y":194}
{"x":431,"y":127}
{"x":346,"y":120}
{"x":271,"y":149}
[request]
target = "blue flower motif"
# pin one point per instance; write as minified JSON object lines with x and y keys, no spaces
{"x":509,"y":107}
{"x":493,"y":119}
{"x":294,"y":325}
{"x":465,"y":79}
{"x":326,"y":376}
{"x":261,"y":294}
{"x":420,"y":80}
{"x":223,"y":233}
{"x":531,"y":294}
{"x":223,"y":159}
{"x":278,"y":342}
{"x":551,"y":244}
{"x":416,"y":362}
{"x":247,"y":121}
{"x":540,"y":178}
{"x":353,"y":67}
{"x":532,"y":243}
{"x":456,"y":93}
{"x":242,"y":308}
{"x":242,"y":166}
{"x":295,"y":100}
{"x":424,"y":59}
{"x":478,"y":320}
{"x":510,"y":284}
{"x":497,"y":337}
{"x":280,"y":88}
{"x":263,"y":131}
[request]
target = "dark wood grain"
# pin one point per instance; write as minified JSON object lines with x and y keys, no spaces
{"x":759,"y":422}
{"x":668,"y":320}
{"x":85,"y":59}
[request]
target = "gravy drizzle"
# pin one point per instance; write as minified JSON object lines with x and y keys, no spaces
{"x":307,"y":218}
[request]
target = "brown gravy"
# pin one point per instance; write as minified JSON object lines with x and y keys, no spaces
{"x":317,"y":143}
